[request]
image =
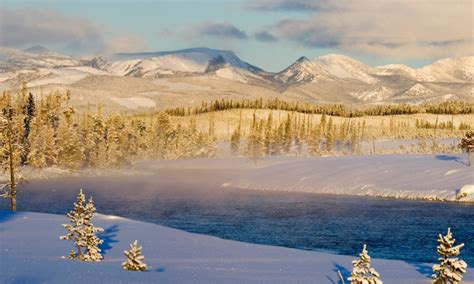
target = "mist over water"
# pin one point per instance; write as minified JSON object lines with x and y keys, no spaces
{"x":194,"y":201}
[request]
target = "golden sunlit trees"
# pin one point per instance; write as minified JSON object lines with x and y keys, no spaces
{"x":467,"y":144}
{"x":11,"y":133}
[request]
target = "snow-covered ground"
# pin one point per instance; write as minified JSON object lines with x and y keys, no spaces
{"x":30,"y":252}
{"x":438,"y":177}
{"x":427,"y":177}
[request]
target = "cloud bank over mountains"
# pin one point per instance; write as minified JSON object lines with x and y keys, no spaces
{"x":385,"y":29}
{"x":394,"y":29}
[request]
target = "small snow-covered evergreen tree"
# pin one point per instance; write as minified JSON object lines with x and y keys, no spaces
{"x":134,"y":258}
{"x":82,"y":231}
{"x":450,"y":269}
{"x":362,"y":273}
{"x":92,"y":242}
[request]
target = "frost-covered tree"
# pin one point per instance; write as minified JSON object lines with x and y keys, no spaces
{"x":42,"y":148}
{"x":71,"y":152}
{"x":11,"y":149}
{"x":82,"y":232}
{"x":134,"y":258}
{"x":467,"y":144}
{"x":362,"y":273}
{"x":92,"y":242}
{"x":450,"y":269}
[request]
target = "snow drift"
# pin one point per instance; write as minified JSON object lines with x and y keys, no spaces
{"x":30,"y":252}
{"x":425,"y":177}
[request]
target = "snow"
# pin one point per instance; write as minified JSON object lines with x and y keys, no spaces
{"x":346,"y":68}
{"x":235,"y":74}
{"x":59,"y":77}
{"x":184,"y":61}
{"x":438,"y":177}
{"x":373,"y":95}
{"x":418,"y":90}
{"x":446,"y":70}
{"x":179,"y":86}
{"x":466,"y":193}
{"x":135,"y":102}
{"x":172,"y":256}
{"x":395,"y":176}
{"x":329,"y":67}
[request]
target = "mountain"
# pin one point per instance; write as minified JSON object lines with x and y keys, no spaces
{"x":189,"y":76}
{"x":449,"y":70}
{"x":195,"y":60}
{"x":328,"y":67}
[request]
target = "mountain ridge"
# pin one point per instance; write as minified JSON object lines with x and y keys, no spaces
{"x":328,"y":78}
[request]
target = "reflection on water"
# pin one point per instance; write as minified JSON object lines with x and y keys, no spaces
{"x":392,"y":229}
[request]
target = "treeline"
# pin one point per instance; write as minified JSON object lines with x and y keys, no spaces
{"x":297,"y":135}
{"x":449,"y":107}
{"x":48,"y":132}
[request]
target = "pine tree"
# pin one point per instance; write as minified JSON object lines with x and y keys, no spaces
{"x":362,"y":273}
{"x":43,"y":151}
{"x":10,"y":148}
{"x":92,"y":242}
{"x":29,"y":112}
{"x":71,"y":151}
{"x":467,"y":144}
{"x":134,"y":258}
{"x":82,"y":232}
{"x":450,"y":269}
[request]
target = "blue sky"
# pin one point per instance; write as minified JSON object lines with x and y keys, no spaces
{"x":291,"y":28}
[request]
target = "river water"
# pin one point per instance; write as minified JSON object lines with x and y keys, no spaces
{"x":392,"y":229}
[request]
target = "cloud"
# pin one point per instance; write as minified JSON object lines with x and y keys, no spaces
{"x":221,"y":31}
{"x":285,"y":5}
{"x":265,"y":37}
{"x":24,"y":27}
{"x":402,"y":29}
{"x":126,"y":43}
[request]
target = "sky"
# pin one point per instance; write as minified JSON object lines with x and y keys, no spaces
{"x":270,"y":34}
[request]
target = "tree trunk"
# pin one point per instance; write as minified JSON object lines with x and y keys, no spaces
{"x":12,"y":168}
{"x":340,"y":276}
{"x":469,"y":155}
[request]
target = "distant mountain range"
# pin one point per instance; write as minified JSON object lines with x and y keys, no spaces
{"x":330,"y":78}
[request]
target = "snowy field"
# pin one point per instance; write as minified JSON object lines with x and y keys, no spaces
{"x":424,"y":177}
{"x":439,"y":177}
{"x":173,"y":256}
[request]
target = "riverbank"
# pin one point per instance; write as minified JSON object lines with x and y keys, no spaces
{"x":31,"y":252}
{"x":412,"y":177}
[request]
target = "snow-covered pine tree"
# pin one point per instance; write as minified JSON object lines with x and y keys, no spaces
{"x":134,"y":258}
{"x":92,"y":242}
{"x":362,"y":273}
{"x":71,"y":152}
{"x":467,"y":144}
{"x":82,"y":231}
{"x":75,"y":229}
{"x":450,"y":269}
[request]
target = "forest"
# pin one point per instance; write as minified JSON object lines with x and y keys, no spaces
{"x":44,"y":131}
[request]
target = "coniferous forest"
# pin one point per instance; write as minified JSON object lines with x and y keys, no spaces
{"x":45,"y":130}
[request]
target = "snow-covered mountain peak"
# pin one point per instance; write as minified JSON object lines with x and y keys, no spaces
{"x":344,"y":67}
{"x":302,"y":70}
{"x":194,"y":60}
{"x":450,"y":70}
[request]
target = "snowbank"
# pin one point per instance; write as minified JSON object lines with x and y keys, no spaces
{"x":30,"y":252}
{"x":395,"y":176}
{"x":466,"y":193}
{"x":425,"y":177}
